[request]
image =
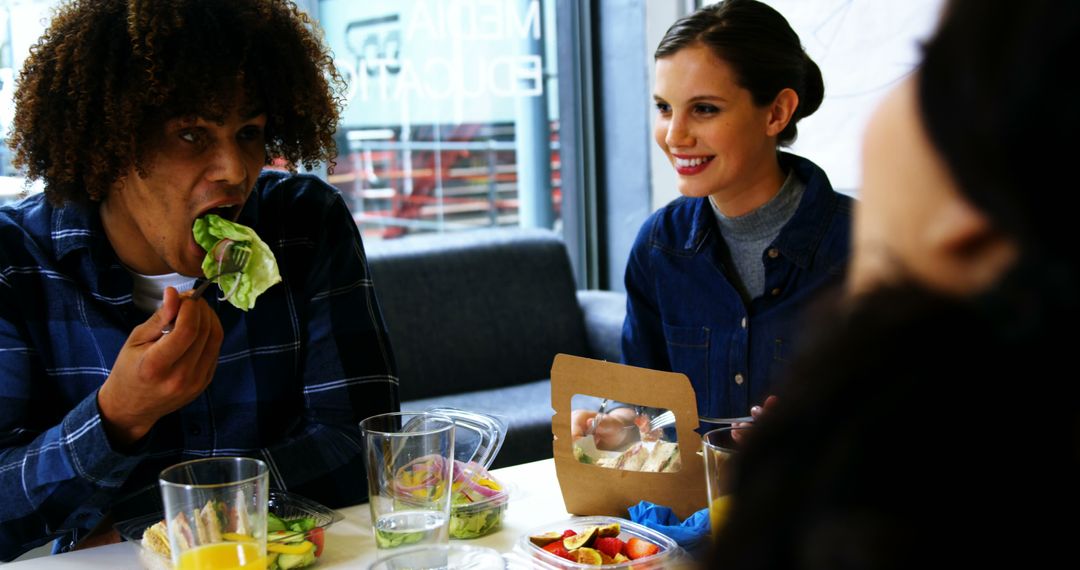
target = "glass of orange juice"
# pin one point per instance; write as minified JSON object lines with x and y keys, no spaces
{"x":215,"y":511}
{"x":719,"y":448}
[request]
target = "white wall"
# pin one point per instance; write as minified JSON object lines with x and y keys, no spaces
{"x":864,"y":47}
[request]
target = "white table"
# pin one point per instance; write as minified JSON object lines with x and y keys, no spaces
{"x":535,"y":500}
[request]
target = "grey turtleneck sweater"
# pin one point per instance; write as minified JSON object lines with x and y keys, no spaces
{"x":748,"y":236}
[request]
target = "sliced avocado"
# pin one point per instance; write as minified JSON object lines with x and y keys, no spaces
{"x":286,"y":561}
{"x":583,"y":538}
{"x":588,"y":556}
{"x":271,"y":561}
{"x":608,"y":530}
{"x":286,"y":536}
{"x":545,"y":539}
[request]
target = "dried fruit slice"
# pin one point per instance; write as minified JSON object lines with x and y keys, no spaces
{"x":612,"y":529}
{"x":542,"y":540}
{"x":589,"y":556}
{"x":583,"y":538}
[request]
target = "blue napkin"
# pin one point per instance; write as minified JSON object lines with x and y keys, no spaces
{"x":689,"y":533}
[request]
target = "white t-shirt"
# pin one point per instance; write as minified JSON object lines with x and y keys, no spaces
{"x":149,"y":289}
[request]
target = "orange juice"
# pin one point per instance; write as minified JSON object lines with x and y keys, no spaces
{"x":223,"y":556}
{"x":718,"y":512}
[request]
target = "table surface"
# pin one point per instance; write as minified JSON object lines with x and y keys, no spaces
{"x":535,"y":500}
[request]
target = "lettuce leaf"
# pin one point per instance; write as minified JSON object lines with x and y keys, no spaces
{"x":261,"y":271}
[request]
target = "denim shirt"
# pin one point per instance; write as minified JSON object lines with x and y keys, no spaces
{"x":684,"y":315}
{"x":294,"y":376}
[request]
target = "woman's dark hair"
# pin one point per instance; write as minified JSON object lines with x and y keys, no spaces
{"x":993,"y":94}
{"x":900,"y":442}
{"x":762,"y":49}
{"x":993,"y":91}
{"x":100,"y":83}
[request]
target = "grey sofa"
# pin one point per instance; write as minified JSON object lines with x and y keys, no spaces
{"x":476,"y":318}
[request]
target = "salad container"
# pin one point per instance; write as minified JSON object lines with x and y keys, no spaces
{"x":669,"y":553}
{"x":300,"y":543}
{"x":479,"y":500}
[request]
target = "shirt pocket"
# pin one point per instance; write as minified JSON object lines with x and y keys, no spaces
{"x":688,"y":352}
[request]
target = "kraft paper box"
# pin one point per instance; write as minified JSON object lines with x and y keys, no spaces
{"x":594,"y":490}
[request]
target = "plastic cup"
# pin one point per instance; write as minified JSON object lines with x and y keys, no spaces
{"x":719,"y":448}
{"x":410,"y":459}
{"x":215,"y":513}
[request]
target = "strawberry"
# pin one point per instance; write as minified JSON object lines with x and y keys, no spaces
{"x":637,"y":548}
{"x":559,"y":550}
{"x":567,"y":533}
{"x":609,"y":545}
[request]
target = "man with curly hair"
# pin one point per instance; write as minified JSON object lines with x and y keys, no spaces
{"x":141,"y":116}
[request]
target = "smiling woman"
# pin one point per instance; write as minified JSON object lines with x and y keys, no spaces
{"x":718,"y":278}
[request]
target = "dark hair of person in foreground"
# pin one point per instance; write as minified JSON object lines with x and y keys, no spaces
{"x":922,"y":429}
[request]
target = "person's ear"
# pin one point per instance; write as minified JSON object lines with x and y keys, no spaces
{"x":974,"y":252}
{"x":780,"y":111}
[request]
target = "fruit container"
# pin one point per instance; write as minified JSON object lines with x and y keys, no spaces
{"x":281,"y":504}
{"x":667,"y":556}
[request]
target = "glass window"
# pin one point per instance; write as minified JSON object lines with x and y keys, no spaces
{"x":451,"y":118}
{"x":451,"y":115}
{"x":21,"y":24}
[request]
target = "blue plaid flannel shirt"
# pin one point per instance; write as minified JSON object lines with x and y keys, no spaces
{"x":295,"y":375}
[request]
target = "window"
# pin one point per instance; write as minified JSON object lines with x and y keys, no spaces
{"x":21,"y":24}
{"x":451,"y":118}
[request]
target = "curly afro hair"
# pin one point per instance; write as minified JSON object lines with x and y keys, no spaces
{"x":107,"y":74}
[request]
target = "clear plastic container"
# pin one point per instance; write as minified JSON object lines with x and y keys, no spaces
{"x":669,"y":554}
{"x":282,"y":504}
{"x":478,"y":438}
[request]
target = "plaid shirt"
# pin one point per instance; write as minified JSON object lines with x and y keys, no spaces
{"x":294,"y":377}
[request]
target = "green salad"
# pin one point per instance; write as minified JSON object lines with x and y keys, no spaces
{"x":293,"y":543}
{"x":261,"y":271}
{"x":478,"y":503}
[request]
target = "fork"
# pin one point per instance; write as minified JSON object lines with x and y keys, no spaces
{"x":599,"y":415}
{"x":668,"y":418}
{"x":232,"y":258}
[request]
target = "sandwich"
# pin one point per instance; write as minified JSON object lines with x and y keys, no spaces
{"x":656,"y":457}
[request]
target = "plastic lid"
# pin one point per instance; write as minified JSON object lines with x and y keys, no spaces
{"x":477,"y":436}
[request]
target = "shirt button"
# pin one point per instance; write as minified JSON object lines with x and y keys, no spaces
{"x":774,"y":253}
{"x":743,"y":323}
{"x":739,"y":379}
{"x":775,"y":291}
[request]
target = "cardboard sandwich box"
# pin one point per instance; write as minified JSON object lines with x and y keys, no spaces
{"x":590,"y":489}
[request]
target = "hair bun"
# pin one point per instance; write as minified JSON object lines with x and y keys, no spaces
{"x":813,"y":88}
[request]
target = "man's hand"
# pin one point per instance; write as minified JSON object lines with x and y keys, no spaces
{"x":613,"y":430}
{"x":156,"y":374}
